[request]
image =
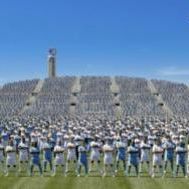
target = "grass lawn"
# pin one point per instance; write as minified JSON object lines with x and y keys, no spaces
{"x":71,"y":182}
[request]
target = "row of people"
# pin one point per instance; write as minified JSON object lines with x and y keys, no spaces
{"x":26,"y":155}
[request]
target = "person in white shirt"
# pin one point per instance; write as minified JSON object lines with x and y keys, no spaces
{"x":145,"y":155}
{"x":23,"y":155}
{"x":71,"y":156}
{"x":2,"y":156}
{"x":95,"y":155}
{"x":108,"y":159}
{"x":10,"y":157}
{"x":59,"y":157}
{"x":157,"y":157}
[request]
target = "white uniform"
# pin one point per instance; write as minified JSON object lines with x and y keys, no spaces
{"x":95,"y":153}
{"x":11,"y":155}
{"x":2,"y":153}
{"x":108,"y":154}
{"x":59,"y":155}
{"x":23,"y":152}
{"x":71,"y":155}
{"x":157,"y":155}
{"x":145,"y":152}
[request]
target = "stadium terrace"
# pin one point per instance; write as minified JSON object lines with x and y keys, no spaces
{"x":102,"y":125}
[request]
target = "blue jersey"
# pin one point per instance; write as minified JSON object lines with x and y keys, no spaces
{"x":35,"y":155}
{"x":82,"y":155}
{"x":121,"y":153}
{"x":133,"y":155}
{"x":17,"y":140}
{"x":181,"y":156}
{"x":5,"y":136}
{"x":169,"y":150}
{"x":47,"y":152}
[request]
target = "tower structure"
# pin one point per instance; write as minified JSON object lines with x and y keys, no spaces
{"x":52,"y":63}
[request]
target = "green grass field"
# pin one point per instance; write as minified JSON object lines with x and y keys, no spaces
{"x":92,"y":182}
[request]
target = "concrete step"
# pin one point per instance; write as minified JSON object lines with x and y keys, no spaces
{"x":159,"y":99}
{"x":74,"y":99}
{"x":116,"y":90}
{"x":33,"y":97}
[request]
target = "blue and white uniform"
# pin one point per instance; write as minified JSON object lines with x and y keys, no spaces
{"x":35,"y":156}
{"x":169,"y":151}
{"x":23,"y":152}
{"x":180,"y":156}
{"x":82,"y":159}
{"x":121,"y":151}
{"x":133,"y":156}
{"x":47,"y":152}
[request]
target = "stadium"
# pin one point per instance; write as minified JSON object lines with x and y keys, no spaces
{"x":94,"y":94}
{"x":98,"y":119}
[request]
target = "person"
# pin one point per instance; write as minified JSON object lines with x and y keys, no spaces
{"x":133,"y":158}
{"x":121,"y":153}
{"x":47,"y":156}
{"x":82,"y":160}
{"x":35,"y":158}
{"x":157,"y":160}
{"x":71,"y":155}
{"x":11,"y":157}
{"x":95,"y":155}
{"x":23,"y":150}
{"x":5,"y":137}
{"x":169,"y":148}
{"x":108,"y":158}
{"x":145,"y":155}
{"x":188,"y":159}
{"x":2,"y":157}
{"x":181,"y":158}
{"x":59,"y":157}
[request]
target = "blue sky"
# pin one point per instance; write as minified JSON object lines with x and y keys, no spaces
{"x":144,"y":38}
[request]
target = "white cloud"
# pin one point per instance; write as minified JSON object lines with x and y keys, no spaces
{"x":173,"y":71}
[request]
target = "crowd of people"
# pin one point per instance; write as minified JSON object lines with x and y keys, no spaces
{"x":136,"y":146}
{"x":142,"y":140}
